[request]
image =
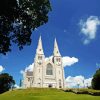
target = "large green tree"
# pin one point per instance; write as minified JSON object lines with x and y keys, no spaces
{"x":6,"y":82}
{"x":96,"y":80}
{"x":18,"y":18}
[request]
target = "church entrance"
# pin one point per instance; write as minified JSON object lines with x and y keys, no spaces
{"x":50,"y":85}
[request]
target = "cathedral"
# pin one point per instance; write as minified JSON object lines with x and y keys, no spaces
{"x":46,"y":73}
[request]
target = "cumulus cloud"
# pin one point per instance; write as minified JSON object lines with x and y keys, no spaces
{"x":68,"y":61}
{"x":16,"y":86}
{"x":77,"y":82}
{"x":30,"y":67}
{"x":1,"y":68}
{"x":89,"y":28}
{"x":48,"y":58}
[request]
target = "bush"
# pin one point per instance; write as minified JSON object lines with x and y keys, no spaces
{"x":84,"y":91}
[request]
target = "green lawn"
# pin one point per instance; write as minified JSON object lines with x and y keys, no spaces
{"x":44,"y":94}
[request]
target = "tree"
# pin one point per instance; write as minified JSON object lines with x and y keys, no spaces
{"x":18,"y":18}
{"x":96,"y":80}
{"x":6,"y":82}
{"x":20,"y":84}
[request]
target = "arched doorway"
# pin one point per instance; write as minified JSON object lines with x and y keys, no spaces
{"x":50,"y":85}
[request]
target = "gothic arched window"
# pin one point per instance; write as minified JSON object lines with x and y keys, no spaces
{"x":49,"y":69}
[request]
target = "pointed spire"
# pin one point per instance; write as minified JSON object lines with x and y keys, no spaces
{"x":56,"y":49}
{"x":39,"y":48}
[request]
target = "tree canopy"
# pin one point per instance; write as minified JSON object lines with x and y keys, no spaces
{"x":6,"y":82}
{"x":18,"y":18}
{"x":96,"y":80}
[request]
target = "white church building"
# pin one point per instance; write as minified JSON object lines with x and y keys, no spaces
{"x":46,"y":73}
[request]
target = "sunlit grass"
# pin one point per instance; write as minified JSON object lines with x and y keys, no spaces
{"x":44,"y":94}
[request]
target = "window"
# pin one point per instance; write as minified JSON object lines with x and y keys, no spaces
{"x":40,"y":57}
{"x":58,"y":59}
{"x":28,"y":79}
{"x":50,"y":85}
{"x":49,"y":69}
{"x":40,"y":49}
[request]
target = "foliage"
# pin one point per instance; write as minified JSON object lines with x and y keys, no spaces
{"x":6,"y":82}
{"x":44,"y":94}
{"x":84,"y":91}
{"x":96,"y":80}
{"x":18,"y":18}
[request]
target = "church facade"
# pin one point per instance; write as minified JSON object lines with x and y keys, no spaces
{"x":46,"y":73}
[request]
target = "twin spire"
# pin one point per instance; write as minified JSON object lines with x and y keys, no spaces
{"x":56,"y":49}
{"x":40,"y":48}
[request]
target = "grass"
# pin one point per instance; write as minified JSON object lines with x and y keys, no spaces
{"x":44,"y":94}
{"x":84,"y":91}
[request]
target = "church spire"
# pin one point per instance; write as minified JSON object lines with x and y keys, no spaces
{"x":39,"y":48}
{"x":56,"y":49}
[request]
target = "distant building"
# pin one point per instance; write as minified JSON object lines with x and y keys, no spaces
{"x":46,"y":73}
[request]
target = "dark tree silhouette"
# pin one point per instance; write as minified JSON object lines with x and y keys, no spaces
{"x":6,"y":82}
{"x":18,"y":18}
{"x":96,"y":80}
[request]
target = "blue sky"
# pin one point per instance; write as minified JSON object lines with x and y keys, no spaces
{"x":76,"y":26}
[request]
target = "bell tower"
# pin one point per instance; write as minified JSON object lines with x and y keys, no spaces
{"x":38,"y":65}
{"x":58,"y":66}
{"x":39,"y":57}
{"x":56,"y":54}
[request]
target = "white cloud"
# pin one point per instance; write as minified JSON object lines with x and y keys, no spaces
{"x":16,"y":86}
{"x":73,"y":82}
{"x":89,"y":28}
{"x":22,"y":72}
{"x":30,"y":67}
{"x":48,"y":58}
{"x":1,"y":68}
{"x":68,"y":61}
